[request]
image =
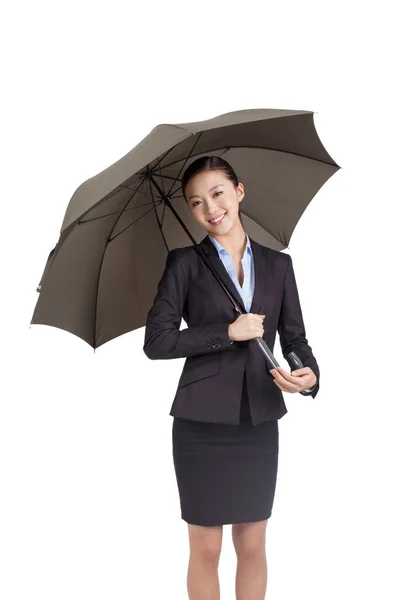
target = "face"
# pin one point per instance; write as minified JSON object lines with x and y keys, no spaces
{"x":211,"y":194}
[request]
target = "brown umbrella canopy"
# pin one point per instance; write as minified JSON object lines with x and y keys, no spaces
{"x":101,"y":278}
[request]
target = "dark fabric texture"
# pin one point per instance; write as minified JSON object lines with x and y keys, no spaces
{"x":226,"y":473}
{"x":210,"y":385}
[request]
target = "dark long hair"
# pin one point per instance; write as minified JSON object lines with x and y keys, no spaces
{"x":209,"y":163}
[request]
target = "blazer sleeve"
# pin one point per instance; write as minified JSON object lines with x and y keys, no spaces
{"x":291,"y":328}
{"x":163,"y":339}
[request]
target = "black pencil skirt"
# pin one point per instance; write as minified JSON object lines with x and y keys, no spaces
{"x":226,"y":473}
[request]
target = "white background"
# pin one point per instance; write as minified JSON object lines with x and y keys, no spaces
{"x":89,"y":506}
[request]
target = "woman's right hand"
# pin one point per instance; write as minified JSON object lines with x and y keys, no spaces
{"x":246,"y":327}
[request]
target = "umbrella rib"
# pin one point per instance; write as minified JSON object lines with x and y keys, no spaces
{"x":187,"y":158}
{"x":262,"y":148}
{"x":162,"y":220}
{"x":265,"y":228}
{"x":173,"y":194}
{"x":165,"y":154}
{"x":158,"y":160}
{"x":125,"y":210}
{"x":160,"y":175}
{"x":110,"y":239}
{"x":88,"y":211}
{"x":101,"y":265}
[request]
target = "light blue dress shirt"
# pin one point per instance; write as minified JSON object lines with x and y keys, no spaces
{"x":247,"y":290}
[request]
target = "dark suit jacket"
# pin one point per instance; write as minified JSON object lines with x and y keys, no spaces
{"x":210,"y":386}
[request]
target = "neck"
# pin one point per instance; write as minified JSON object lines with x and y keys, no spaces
{"x":234,"y":241}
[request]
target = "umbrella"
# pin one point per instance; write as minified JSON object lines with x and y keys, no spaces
{"x":100,"y":280}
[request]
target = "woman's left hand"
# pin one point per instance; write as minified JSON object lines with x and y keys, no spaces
{"x":297,"y":381}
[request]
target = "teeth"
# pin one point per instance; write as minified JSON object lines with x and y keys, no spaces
{"x":217,"y":220}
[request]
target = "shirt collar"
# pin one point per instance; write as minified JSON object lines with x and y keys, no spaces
{"x":222,"y":250}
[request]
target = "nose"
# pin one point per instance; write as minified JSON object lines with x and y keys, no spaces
{"x":211,"y":208}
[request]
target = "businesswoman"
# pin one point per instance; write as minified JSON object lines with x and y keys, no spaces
{"x":228,"y":401}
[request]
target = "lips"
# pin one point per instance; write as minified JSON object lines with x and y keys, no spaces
{"x":217,"y":219}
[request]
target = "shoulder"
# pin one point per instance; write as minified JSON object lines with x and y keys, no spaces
{"x":184,"y":254}
{"x":276,"y":254}
{"x":277,"y":257}
{"x":180,"y":254}
{"x":178,"y":257}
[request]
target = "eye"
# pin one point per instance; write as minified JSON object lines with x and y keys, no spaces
{"x":215,"y":194}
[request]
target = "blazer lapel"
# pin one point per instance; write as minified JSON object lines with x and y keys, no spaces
{"x":262,"y":274}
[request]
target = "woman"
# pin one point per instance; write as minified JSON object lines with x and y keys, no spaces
{"x":227,"y":406}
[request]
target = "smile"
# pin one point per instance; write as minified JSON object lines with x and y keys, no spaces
{"x":217,"y":222}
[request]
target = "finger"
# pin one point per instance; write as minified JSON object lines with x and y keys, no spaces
{"x":276,"y":372}
{"x":281,"y":387}
{"x":297,"y":380}
{"x":286,"y":375}
{"x":284,"y":388}
{"x":281,"y":374}
{"x":290,"y":383}
{"x":293,"y":388}
{"x":302,"y":371}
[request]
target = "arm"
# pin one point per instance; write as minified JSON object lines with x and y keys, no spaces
{"x":163,"y":339}
{"x":291,"y":328}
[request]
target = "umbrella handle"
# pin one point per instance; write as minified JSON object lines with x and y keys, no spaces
{"x":270,"y":358}
{"x":274,"y":363}
{"x":295,"y":362}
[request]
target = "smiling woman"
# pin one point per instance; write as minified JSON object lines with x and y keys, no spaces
{"x":225,"y":431}
{"x":218,"y":190}
{"x":225,"y":473}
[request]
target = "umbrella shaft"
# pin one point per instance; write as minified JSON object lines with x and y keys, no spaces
{"x":263,"y":346}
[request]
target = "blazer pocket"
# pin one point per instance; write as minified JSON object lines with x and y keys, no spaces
{"x":200,"y":367}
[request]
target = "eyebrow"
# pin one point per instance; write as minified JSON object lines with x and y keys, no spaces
{"x":213,"y":187}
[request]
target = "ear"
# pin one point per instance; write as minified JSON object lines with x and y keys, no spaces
{"x":240,"y":191}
